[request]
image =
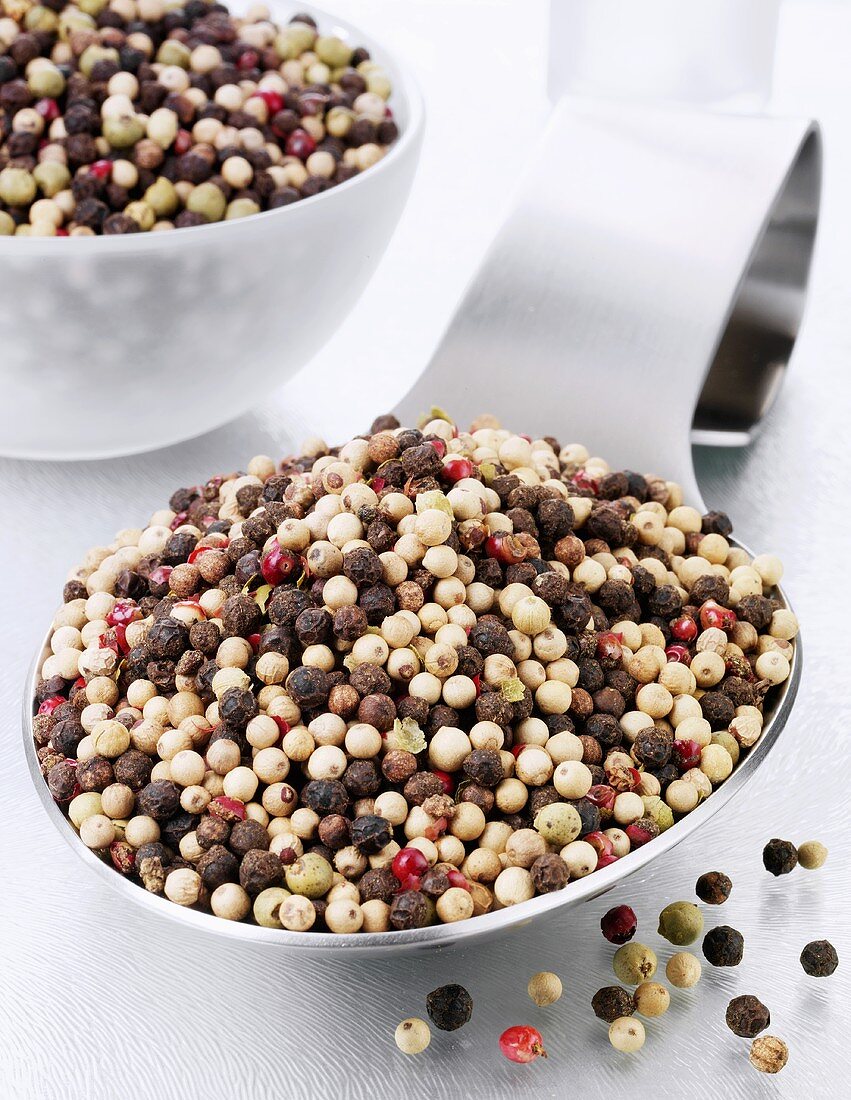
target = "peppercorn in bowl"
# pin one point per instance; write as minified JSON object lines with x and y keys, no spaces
{"x":190,"y":204}
{"x":430,"y":684}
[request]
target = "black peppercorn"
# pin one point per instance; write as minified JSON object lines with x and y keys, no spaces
{"x":371,"y":833}
{"x":819,"y":959}
{"x":217,"y":866}
{"x":449,"y":1007}
{"x":549,"y":873}
{"x":485,"y":767}
{"x":747,"y":1016}
{"x":95,"y":774}
{"x":259,"y":870}
{"x":723,"y":946}
{"x":159,"y":800}
{"x":325,"y":796}
{"x":779,"y":857}
{"x":611,"y":1003}
{"x":248,"y":835}
{"x":713,"y":888}
{"x":410,"y":909}
{"x":379,"y":883}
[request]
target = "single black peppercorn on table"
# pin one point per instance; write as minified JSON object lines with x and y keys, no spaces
{"x":123,"y":119}
{"x":410,"y":680}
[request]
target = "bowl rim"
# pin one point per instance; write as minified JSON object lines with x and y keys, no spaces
{"x":437,"y":935}
{"x":408,"y":106}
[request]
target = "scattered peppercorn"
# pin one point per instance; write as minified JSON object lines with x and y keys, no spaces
{"x":680,"y":923}
{"x":819,"y":959}
{"x":780,"y":857}
{"x":713,"y":888}
{"x":412,"y":1036}
{"x":723,"y":946}
{"x":449,"y":1007}
{"x":683,"y":970}
{"x":611,"y":1002}
{"x":634,"y":963}
{"x":544,"y":988}
{"x":812,"y":855}
{"x":324,"y":676}
{"x":747,"y":1016}
{"x":768,"y":1054}
{"x":619,"y":924}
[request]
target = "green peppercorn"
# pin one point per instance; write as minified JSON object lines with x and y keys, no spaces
{"x":17,"y":186}
{"x":267,"y":905}
{"x":92,"y":54}
{"x":658,"y":810}
{"x":680,"y":923}
{"x":51,"y":177}
{"x":92,"y":7}
{"x":123,"y":131}
{"x":559,"y":823}
{"x":172,"y":52}
{"x":379,"y":83}
{"x":7,"y":224}
{"x":208,"y":200}
{"x":71,"y":20}
{"x":634,"y":963}
{"x":332,"y":51}
{"x":339,"y":121}
{"x":41,"y":19}
{"x":241,"y":208}
{"x":162,"y":197}
{"x":294,"y":40}
{"x":141,"y":213}
{"x":46,"y":81}
{"x":311,"y":876}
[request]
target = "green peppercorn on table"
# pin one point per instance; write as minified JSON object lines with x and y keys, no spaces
{"x":101,"y":1002}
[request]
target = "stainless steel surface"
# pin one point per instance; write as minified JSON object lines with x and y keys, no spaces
{"x":650,"y":277}
{"x":327,"y":944}
{"x":101,"y":1002}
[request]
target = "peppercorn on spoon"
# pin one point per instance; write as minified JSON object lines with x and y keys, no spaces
{"x":623,"y":293}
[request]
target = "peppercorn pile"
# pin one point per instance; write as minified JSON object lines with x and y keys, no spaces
{"x":412,"y":679}
{"x":121,"y":116}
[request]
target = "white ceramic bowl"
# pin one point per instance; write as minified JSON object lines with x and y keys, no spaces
{"x":115,"y":345}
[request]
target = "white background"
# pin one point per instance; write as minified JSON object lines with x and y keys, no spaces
{"x":101,"y":1004}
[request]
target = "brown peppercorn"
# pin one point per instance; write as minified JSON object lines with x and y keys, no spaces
{"x":216,"y":866}
{"x":410,"y":908}
{"x":723,"y":946}
{"x":247,"y":835}
{"x":379,"y":883}
{"x":377,"y":710}
{"x":335,"y":831}
{"x":549,"y":872}
{"x":212,"y":830}
{"x":611,"y":1003}
{"x":95,"y":774}
{"x":62,"y":780}
{"x":779,"y":857}
{"x":485,"y":767}
{"x":421,"y":786}
{"x":819,"y":959}
{"x":158,"y":800}
{"x":713,"y":888}
{"x":747,"y":1016}
{"x":399,"y":765}
{"x":259,"y":870}
{"x":435,"y":882}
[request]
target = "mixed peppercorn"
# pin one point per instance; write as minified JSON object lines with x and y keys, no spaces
{"x":410,"y":680}
{"x":121,"y":116}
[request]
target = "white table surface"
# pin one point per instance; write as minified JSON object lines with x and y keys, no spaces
{"x":99,"y":1003}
